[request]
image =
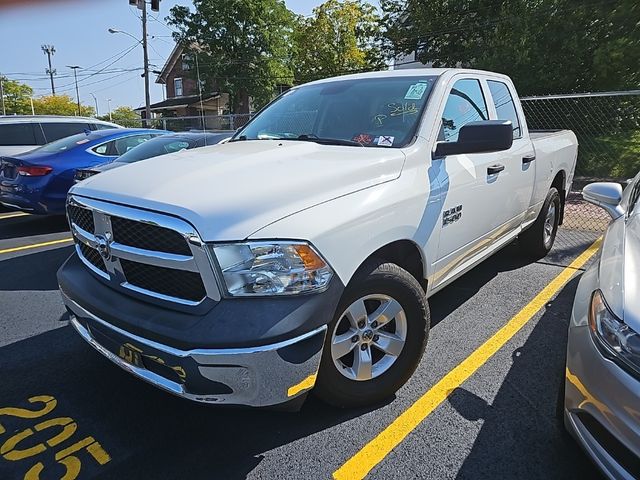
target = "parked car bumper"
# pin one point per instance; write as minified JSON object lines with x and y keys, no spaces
{"x":259,"y":376}
{"x":29,"y":197}
{"x":602,"y":401}
{"x":254,"y":352}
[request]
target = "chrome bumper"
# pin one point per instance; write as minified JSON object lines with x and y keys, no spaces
{"x":259,"y":376}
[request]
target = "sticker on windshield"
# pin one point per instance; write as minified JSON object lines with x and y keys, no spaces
{"x":80,"y":142}
{"x":385,"y":141}
{"x":416,"y":91}
{"x":363,"y":139}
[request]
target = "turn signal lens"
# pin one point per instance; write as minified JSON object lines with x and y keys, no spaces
{"x":34,"y":171}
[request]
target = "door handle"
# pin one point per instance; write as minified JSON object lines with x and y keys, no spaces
{"x":527,"y":159}
{"x":493,"y":169}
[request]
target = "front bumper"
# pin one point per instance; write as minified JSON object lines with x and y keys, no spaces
{"x":259,"y":376}
{"x":602,"y":401}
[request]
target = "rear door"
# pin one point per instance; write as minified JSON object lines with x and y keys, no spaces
{"x":477,"y":206}
{"x":519,"y":160}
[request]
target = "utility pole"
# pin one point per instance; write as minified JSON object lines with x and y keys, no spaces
{"x":49,"y":50}
{"x":147,"y":97}
{"x":75,"y":76}
{"x":4,"y":111}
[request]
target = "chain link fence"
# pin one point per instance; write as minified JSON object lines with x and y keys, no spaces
{"x":209,"y":122}
{"x":607,"y":125}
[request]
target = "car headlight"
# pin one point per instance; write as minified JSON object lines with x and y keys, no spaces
{"x":271,"y":268}
{"x":617,"y":338}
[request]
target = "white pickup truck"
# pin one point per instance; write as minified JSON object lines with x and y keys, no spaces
{"x":303,"y":252}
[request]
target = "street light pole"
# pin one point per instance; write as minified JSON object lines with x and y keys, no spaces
{"x":109,"y":104}
{"x":96,"y":101}
{"x":75,"y":76}
{"x":4,"y":111}
{"x":147,"y":96}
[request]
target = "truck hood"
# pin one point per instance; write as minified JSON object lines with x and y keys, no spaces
{"x":230,"y":191}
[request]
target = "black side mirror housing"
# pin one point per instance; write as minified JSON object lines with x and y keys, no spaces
{"x":479,"y":137}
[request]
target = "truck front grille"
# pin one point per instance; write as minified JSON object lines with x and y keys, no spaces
{"x":166,"y":281}
{"x":148,"y":237}
{"x":82,"y":217}
{"x":151,"y":254}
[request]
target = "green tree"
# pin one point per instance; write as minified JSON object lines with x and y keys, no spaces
{"x":242,"y":46}
{"x":546,"y":46}
{"x":124,"y":116}
{"x":16,"y":97}
{"x":340,"y":37}
{"x":60,"y":105}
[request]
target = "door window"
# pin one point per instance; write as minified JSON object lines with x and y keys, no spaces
{"x":17,"y":134}
{"x":56,"y":131}
{"x":505,"y":107}
{"x":465,"y":104}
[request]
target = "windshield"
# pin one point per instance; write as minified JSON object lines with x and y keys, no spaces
{"x":154,"y":148}
{"x":376,"y":112}
{"x":64,"y":144}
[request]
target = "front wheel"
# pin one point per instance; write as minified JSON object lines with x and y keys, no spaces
{"x":537,"y":240}
{"x":376,"y":338}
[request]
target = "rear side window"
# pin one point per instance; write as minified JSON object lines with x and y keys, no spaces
{"x":56,"y":131}
{"x":17,"y":134}
{"x":119,"y":146}
{"x":505,"y":107}
{"x":465,"y":104}
{"x":102,"y":126}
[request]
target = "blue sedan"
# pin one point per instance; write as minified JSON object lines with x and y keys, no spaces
{"x":38,"y":181}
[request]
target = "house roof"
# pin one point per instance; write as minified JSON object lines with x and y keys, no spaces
{"x":178,"y":102}
{"x":176,"y":54}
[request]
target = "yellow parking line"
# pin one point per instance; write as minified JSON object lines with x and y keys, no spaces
{"x":13,"y":215}
{"x":358,"y":466}
{"x":36,"y":245}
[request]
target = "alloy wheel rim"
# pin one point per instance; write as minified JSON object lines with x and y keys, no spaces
{"x":549,"y":223}
{"x":369,"y":337}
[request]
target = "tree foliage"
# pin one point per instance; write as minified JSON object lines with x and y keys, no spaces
{"x":340,"y":37}
{"x":60,"y":105}
{"x":242,"y":46}
{"x":124,"y":116}
{"x":546,"y":46}
{"x":16,"y":97}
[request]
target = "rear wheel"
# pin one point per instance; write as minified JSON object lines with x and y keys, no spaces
{"x":376,"y":339}
{"x":538,"y":239}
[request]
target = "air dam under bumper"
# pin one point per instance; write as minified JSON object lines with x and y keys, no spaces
{"x":259,"y":376}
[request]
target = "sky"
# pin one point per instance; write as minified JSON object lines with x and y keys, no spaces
{"x":78,"y":31}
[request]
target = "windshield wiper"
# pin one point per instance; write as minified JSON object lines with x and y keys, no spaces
{"x":239,"y":139}
{"x":312,"y":137}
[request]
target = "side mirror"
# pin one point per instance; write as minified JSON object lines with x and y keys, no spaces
{"x":479,"y":137}
{"x":607,"y":195}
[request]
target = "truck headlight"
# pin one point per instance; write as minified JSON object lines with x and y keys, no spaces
{"x":617,"y":338}
{"x":271,"y":268}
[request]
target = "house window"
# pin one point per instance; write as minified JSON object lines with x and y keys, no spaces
{"x":186,"y":59}
{"x":177,"y":86}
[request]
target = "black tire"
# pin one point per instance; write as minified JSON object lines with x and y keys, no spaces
{"x":534,"y":242}
{"x":377,"y":277}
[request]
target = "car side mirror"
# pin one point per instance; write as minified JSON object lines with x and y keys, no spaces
{"x":479,"y":137}
{"x":607,"y":195}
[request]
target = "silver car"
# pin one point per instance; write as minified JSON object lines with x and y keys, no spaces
{"x":602,"y":386}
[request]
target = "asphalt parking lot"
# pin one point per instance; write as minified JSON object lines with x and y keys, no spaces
{"x":466,"y":413}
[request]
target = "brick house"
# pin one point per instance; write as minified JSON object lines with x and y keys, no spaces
{"x":182,"y":96}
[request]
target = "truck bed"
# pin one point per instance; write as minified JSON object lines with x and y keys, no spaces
{"x":537,"y":134}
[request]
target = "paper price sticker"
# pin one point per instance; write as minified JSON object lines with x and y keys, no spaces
{"x":416,"y":91}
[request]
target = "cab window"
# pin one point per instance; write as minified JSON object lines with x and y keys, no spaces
{"x":505,"y":107}
{"x":465,"y":104}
